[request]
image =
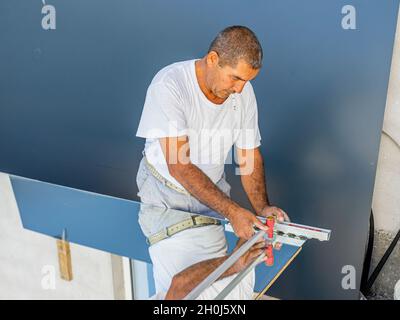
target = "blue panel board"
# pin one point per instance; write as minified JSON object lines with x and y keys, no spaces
{"x":103,"y":222}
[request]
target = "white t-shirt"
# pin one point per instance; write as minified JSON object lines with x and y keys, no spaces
{"x":176,"y":106}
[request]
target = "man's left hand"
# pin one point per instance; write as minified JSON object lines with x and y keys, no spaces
{"x":278,"y":213}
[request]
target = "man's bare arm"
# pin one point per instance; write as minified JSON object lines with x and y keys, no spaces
{"x":252,"y":176}
{"x":253,"y":180}
{"x":177,"y":154}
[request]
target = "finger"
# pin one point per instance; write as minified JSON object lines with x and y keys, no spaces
{"x":280,"y":215}
{"x":286,"y":216}
{"x":278,"y":246}
{"x":259,"y":245}
{"x":261,"y":240}
{"x":259,"y":224}
{"x":260,"y":252}
{"x":250,"y":230}
{"x":256,"y":253}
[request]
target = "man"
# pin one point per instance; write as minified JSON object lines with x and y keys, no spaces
{"x":210,"y":94}
{"x":194,"y":112}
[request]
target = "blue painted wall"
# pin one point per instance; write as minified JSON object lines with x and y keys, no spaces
{"x":71,"y":98}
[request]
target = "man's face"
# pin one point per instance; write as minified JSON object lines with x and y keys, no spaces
{"x":223,"y":81}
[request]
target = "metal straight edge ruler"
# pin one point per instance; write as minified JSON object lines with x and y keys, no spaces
{"x":294,"y":234}
{"x":284,"y":232}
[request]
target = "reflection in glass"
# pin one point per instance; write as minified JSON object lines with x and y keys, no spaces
{"x":185,"y":248}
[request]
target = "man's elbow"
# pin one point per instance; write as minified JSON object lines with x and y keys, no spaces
{"x":177,"y":170}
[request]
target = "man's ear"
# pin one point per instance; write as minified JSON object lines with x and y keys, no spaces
{"x":212,"y":59}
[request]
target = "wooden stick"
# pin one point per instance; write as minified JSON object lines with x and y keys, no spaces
{"x":64,"y":260}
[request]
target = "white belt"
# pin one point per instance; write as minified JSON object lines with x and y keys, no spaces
{"x":193,"y":222}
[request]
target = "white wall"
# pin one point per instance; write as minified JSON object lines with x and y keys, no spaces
{"x":386,"y":200}
{"x":24,"y":254}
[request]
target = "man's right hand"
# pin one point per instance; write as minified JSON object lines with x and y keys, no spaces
{"x":242,"y":221}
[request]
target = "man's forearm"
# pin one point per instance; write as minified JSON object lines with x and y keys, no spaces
{"x":254,"y":184}
{"x":185,"y":281}
{"x":201,"y":187}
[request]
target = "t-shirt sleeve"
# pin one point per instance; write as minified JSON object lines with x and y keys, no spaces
{"x":163,"y":113}
{"x":249,"y":134}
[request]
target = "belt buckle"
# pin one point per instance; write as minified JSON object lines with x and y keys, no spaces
{"x":194,"y":220}
{"x":165,"y":232}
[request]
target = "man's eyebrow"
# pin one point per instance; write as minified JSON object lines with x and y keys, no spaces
{"x":239,"y":78}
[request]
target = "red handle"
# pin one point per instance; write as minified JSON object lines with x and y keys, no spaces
{"x":269,"y":250}
{"x":270,"y":224}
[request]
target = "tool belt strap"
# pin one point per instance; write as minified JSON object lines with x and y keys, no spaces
{"x":193,"y":222}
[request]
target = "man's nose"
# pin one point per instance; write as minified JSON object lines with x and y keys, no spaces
{"x":239,"y":87}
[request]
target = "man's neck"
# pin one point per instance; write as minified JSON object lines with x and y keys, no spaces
{"x":200,"y":67}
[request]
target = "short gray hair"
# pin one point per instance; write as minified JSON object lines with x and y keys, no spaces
{"x":237,"y":42}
